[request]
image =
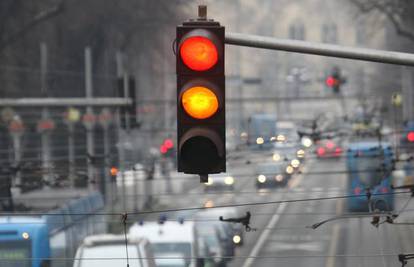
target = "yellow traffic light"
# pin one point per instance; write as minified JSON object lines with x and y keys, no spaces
{"x":200,"y":102}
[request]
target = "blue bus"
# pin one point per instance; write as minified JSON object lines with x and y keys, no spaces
{"x":261,"y":131}
{"x":29,"y":241}
{"x":369,"y":166}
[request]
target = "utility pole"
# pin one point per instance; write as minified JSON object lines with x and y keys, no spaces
{"x":105,"y":119}
{"x":89,"y":118}
{"x":45,"y":131}
{"x":408,"y":94}
{"x":121,"y":149}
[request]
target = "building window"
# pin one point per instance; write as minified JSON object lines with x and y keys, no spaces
{"x":360,"y":34}
{"x":329,"y":33}
{"x":297,"y":31}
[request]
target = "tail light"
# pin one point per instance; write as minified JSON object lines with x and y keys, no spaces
{"x":330,"y":145}
{"x":321,"y":151}
{"x":338,"y":150}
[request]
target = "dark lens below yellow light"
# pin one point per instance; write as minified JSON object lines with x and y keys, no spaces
{"x":200,"y":102}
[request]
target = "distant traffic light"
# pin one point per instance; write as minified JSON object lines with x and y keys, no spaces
{"x":114,"y":172}
{"x":410,"y":137}
{"x":166,"y":147}
{"x":200,"y":96}
{"x":334,"y":80}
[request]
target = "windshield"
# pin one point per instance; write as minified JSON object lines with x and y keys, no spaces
{"x":116,"y":251}
{"x":15,"y":251}
{"x":177,"y":248}
{"x":369,"y":173}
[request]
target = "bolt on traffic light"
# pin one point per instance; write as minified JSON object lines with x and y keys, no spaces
{"x":200,"y":97}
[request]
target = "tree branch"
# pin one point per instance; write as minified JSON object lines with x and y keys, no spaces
{"x":389,"y":9}
{"x":40,"y":17}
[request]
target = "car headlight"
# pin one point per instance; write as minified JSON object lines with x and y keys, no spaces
{"x":209,"y":181}
{"x":260,"y":141}
{"x":236,"y":239}
{"x":261,"y":178}
{"x":281,"y":138}
{"x":306,"y":141}
{"x":295,"y":163}
{"x":300,"y":153}
{"x":279,"y":177}
{"x":25,"y":235}
{"x":229,"y":180}
{"x":276,"y":157}
{"x":289,"y":169}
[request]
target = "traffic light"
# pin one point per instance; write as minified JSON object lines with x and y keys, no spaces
{"x":167,"y":147}
{"x":410,"y":136}
{"x":200,"y":97}
{"x":129,"y":113}
{"x":335,"y":80}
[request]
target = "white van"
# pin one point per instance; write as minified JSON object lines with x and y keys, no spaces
{"x":113,"y":247}
{"x":170,"y":238}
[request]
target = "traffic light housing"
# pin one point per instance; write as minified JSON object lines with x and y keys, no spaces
{"x":334,"y":80}
{"x":201,"y":116}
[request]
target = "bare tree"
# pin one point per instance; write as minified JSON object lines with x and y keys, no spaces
{"x":398,"y":12}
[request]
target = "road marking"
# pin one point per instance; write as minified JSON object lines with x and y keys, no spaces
{"x":264,"y":235}
{"x":333,"y":246}
{"x":313,"y":246}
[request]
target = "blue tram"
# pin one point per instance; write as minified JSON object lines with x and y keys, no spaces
{"x":28,"y":241}
{"x":369,"y":166}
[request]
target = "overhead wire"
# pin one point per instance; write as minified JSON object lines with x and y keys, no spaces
{"x":203,"y":208}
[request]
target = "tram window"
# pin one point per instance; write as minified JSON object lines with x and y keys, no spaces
{"x":368,"y":171}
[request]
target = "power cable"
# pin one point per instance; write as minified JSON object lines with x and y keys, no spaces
{"x":204,"y":208}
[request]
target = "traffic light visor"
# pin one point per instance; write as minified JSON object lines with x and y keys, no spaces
{"x":199,"y":102}
{"x":198,"y":53}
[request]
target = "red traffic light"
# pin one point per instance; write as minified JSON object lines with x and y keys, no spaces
{"x":331,"y":81}
{"x":410,"y":137}
{"x":168,"y":143}
{"x":163,"y":149}
{"x":199,"y":53}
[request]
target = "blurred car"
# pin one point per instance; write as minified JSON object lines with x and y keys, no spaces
{"x":221,"y":181}
{"x":286,"y":132}
{"x":210,"y":235}
{"x":113,"y":246}
{"x":170,"y":237}
{"x":328,"y":148}
{"x":273,"y":174}
{"x":224,"y":230}
{"x":237,"y":236}
{"x":289,"y":152}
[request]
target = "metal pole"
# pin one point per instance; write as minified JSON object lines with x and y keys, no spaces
{"x":330,"y":50}
{"x":121,"y":157}
{"x":71,"y":153}
{"x":89,"y":110}
{"x":126,"y":94}
{"x":64,"y":102}
{"x":407,"y":94}
{"x":45,"y":134}
{"x":107,"y":167}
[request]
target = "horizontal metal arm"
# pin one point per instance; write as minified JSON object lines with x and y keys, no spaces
{"x":313,"y":48}
{"x":59,"y":102}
